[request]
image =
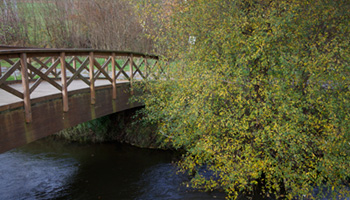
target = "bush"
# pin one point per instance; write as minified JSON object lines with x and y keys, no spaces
{"x":264,"y":95}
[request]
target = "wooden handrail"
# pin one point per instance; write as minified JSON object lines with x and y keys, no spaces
{"x":48,"y":60}
{"x":13,"y":53}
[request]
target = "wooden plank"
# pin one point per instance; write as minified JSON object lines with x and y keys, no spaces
{"x":26,"y":93}
{"x":35,"y":52}
{"x":9,"y":72}
{"x":92,"y":79}
{"x":64,"y":82}
{"x":114,"y":86}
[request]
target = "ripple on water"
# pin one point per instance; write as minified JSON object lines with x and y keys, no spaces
{"x":38,"y":176}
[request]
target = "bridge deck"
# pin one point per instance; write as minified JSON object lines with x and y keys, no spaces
{"x":46,"y":89}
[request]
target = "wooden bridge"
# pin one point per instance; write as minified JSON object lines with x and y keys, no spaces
{"x":43,"y":91}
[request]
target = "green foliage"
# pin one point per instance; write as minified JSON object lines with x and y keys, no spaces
{"x":261,"y":96}
{"x":125,"y":126}
{"x":97,"y":130}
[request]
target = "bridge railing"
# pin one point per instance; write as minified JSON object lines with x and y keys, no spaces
{"x":60,"y":67}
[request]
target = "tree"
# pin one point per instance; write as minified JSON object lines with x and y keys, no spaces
{"x":258,"y":94}
{"x":98,"y":24}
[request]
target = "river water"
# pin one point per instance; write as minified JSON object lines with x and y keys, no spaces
{"x":49,"y":169}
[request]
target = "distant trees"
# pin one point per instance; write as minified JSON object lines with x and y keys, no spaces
{"x":261,"y":98}
{"x":99,"y":24}
{"x":10,"y":29}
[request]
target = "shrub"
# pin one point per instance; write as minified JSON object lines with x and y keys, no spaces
{"x":264,"y":95}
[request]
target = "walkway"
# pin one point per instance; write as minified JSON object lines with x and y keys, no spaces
{"x":46,"y":89}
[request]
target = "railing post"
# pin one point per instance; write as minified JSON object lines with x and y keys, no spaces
{"x":114,"y":94}
{"x":55,"y":70}
{"x":158,"y":72}
{"x":74,"y":62}
{"x":92,"y":79}
{"x":29,"y":61}
{"x":64,"y":82}
{"x":107,"y":65}
{"x":146,"y":67}
{"x":0,"y":69}
{"x":131,"y":73}
{"x":25,"y":84}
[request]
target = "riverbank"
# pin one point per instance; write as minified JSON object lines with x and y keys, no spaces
{"x":125,"y":127}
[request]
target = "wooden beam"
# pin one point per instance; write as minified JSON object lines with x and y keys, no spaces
{"x":76,"y":58}
{"x":146,"y":67}
{"x":38,"y":81}
{"x":121,"y":70}
{"x":47,"y":61}
{"x":25,"y":84}
{"x":106,"y":59}
{"x":101,"y":70}
{"x":131,"y":73}
{"x":42,"y":65}
{"x":114,"y":86}
{"x":55,"y":70}
{"x":138,"y":70}
{"x":92,"y":79}
{"x":103,"y":67}
{"x":77,"y":72}
{"x":9,"y":72}
{"x":43,"y":76}
{"x":12,"y":91}
{"x":64,"y":82}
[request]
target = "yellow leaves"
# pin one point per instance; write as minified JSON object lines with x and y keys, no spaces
{"x":252,"y":102}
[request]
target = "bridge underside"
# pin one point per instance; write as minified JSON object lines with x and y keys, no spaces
{"x":49,"y":118}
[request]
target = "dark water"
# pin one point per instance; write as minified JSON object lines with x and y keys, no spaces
{"x":49,"y":169}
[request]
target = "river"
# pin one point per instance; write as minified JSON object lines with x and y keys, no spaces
{"x":51,"y":169}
